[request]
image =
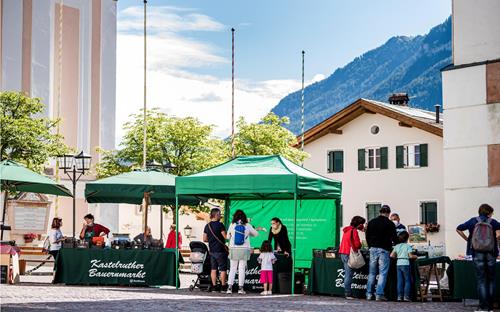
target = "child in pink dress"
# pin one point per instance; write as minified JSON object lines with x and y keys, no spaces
{"x":266,"y":260}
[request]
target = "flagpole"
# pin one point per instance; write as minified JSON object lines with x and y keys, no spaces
{"x":232,"y":94}
{"x":145,"y":121}
{"x":302,"y":103}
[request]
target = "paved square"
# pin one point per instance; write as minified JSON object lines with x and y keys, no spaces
{"x":47,"y":297}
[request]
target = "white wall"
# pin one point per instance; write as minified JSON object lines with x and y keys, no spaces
{"x":476,"y":27}
{"x":401,"y":189}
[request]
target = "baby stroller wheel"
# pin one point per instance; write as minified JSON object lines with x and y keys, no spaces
{"x":191,"y":287}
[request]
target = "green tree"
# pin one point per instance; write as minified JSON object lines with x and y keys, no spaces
{"x":185,"y":142}
{"x":268,"y":137}
{"x":24,"y":136}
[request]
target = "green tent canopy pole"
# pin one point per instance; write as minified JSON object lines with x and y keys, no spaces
{"x":227,"y":216}
{"x":177,"y":226}
{"x":294,"y":249}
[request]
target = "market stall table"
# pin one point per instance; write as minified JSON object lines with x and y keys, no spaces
{"x":132,"y":267}
{"x":252,"y":276}
{"x":462,"y":280}
{"x":327,"y":278}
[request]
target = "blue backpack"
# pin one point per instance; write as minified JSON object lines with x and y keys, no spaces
{"x":239,"y":234}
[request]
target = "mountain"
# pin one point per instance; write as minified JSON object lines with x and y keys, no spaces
{"x":402,"y":64}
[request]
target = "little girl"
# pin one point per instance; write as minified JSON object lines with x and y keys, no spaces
{"x":266,"y":260}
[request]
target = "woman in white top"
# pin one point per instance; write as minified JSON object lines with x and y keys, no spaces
{"x":239,"y":233}
{"x":55,"y":237}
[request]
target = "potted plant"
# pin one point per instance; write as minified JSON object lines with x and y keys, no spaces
{"x":29,"y":237}
{"x":432,"y":228}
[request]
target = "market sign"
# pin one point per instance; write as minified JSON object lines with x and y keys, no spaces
{"x":117,"y":269}
{"x":316,"y":223}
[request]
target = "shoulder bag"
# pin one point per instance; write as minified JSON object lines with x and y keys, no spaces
{"x":356,"y":259}
{"x":211,"y":231}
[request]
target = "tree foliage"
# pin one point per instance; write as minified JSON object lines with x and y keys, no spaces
{"x":184,"y":142}
{"x":268,"y":137}
{"x":26,"y":137}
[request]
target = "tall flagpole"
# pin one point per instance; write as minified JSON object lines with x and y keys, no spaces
{"x":232,"y":94}
{"x":145,"y":121}
{"x":302,"y":104}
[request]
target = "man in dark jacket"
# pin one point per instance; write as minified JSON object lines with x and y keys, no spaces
{"x":380,"y":236}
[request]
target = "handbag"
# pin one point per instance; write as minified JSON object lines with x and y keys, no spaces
{"x":356,"y":259}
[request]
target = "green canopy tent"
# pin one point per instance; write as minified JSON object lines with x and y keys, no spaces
{"x":258,"y":178}
{"x":17,"y":178}
{"x":135,"y":187}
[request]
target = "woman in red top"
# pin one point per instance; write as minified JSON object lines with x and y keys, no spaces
{"x":171,"y":238}
{"x":350,"y":239}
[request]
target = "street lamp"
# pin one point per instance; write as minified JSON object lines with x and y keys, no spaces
{"x":73,"y":165}
{"x":187,"y":231}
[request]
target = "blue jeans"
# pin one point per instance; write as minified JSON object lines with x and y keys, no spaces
{"x":484,"y":263}
{"x":379,"y":263}
{"x":348,"y":272}
{"x":404,"y":281}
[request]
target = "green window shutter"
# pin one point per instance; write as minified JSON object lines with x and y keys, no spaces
{"x":429,"y":213}
{"x":338,"y":161}
{"x":400,"y":155}
{"x":424,"y":155}
{"x":330,"y":162}
{"x":384,"y":162}
{"x":361,"y":159}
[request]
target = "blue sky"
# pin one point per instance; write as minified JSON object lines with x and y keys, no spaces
{"x":190,"y":53}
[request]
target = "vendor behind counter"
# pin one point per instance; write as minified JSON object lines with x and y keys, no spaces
{"x":91,"y":229}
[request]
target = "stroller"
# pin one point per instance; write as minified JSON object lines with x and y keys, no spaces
{"x":200,"y":265}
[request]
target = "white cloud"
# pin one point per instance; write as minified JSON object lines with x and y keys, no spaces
{"x":171,"y":85}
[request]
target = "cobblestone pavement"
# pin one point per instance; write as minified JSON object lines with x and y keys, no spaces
{"x":30,"y":296}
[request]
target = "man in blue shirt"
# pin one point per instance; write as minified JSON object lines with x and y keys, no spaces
{"x":484,"y":262}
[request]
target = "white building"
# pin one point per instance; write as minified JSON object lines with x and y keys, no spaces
{"x":471,"y":100}
{"x":39,"y":57}
{"x":383,"y":154}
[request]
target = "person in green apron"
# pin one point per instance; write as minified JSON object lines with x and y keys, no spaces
{"x":91,"y":229}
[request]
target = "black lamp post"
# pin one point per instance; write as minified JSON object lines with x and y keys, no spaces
{"x":73,"y":165}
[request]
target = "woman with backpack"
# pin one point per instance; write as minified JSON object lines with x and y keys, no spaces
{"x":239,"y":233}
{"x":482,"y":245}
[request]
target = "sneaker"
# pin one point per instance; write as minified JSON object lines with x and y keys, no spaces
{"x":269,"y":292}
{"x":349,"y":297}
{"x":407,"y":299}
{"x":369,"y":297}
{"x":241,"y":291}
{"x":400,"y":299}
{"x":229,"y":290}
{"x":223,"y":289}
{"x":380,"y":298}
{"x":211,"y":288}
{"x":264,"y":293}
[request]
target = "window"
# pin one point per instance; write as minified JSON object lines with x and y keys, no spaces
{"x":372,"y":211}
{"x":428,"y":213}
{"x":335,"y":161}
{"x":411,"y":156}
{"x":373,"y":158}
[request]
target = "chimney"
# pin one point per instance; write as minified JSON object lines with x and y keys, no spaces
{"x":437,"y":107}
{"x":400,"y":99}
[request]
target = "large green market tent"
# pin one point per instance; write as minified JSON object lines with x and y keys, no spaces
{"x":265,"y":181}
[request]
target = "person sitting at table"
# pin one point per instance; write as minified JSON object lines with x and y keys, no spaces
{"x":279,"y":233}
{"x":91,"y":229}
{"x":171,"y":238}
{"x":482,"y":245}
{"x":350,"y":239}
{"x":144,"y":237}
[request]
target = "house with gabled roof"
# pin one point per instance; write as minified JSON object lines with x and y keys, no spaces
{"x":384,"y":153}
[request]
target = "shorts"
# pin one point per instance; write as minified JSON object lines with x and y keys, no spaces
{"x":266,"y":276}
{"x":218,"y":261}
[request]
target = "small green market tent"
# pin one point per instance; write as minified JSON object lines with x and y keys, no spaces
{"x":158,"y":188}
{"x":17,"y":178}
{"x":129,"y":188}
{"x":262,"y":178}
